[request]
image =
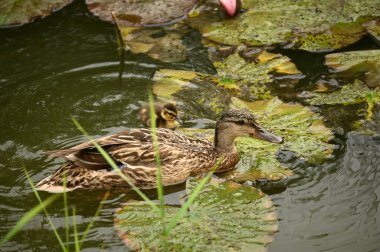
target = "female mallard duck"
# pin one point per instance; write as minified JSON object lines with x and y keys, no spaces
{"x":167,"y":115}
{"x":133,"y":151}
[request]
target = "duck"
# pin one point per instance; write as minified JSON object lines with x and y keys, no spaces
{"x":133,"y":152}
{"x":167,"y":115}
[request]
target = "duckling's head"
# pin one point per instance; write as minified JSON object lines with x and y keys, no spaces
{"x":169,"y":113}
{"x":240,"y":123}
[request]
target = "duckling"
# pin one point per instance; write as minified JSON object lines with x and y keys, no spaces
{"x":167,"y":115}
{"x":133,"y":152}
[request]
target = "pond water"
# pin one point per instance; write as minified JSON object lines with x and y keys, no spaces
{"x":68,"y":64}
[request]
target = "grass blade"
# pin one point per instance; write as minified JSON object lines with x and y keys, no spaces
{"x":115,"y":167}
{"x":89,"y":226}
{"x":46,"y":212}
{"x":76,"y":238}
{"x":66,"y":209}
{"x":27,"y":217}
{"x":160,"y":188}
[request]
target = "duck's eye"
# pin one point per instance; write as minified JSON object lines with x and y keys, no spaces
{"x":241,"y":122}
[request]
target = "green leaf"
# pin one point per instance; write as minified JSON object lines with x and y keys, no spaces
{"x":254,"y":74}
{"x":141,"y":13}
{"x":197,"y":94}
{"x":356,"y":92}
{"x":309,"y":25}
{"x":356,"y":63}
{"x":19,"y":12}
{"x":209,"y":225}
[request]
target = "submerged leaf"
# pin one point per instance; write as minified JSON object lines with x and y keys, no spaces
{"x":162,"y":44}
{"x":142,"y":12}
{"x":20,"y":12}
{"x":310,"y":25}
{"x":209,"y":225}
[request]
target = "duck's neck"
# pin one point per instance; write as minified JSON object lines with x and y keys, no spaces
{"x":224,"y":139}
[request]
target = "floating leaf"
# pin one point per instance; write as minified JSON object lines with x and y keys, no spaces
{"x":162,"y":44}
{"x":254,"y":75}
{"x":304,"y":135}
{"x":355,"y":63}
{"x":353,"y":93}
{"x":373,"y":28}
{"x":197,"y":94}
{"x":235,"y":75}
{"x":13,"y":13}
{"x":141,"y":13}
{"x":310,"y":25}
{"x":209,"y":225}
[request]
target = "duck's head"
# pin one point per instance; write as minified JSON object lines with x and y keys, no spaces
{"x":169,"y":113}
{"x":240,"y":123}
{"x":230,"y":7}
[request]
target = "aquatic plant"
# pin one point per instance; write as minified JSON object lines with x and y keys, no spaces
{"x":309,"y":25}
{"x":209,"y":224}
{"x":14,"y":13}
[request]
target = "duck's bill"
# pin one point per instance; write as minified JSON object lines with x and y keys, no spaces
{"x":262,"y":134}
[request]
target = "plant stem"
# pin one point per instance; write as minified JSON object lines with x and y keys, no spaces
{"x":66,"y":209}
{"x":89,"y":226}
{"x":76,"y":238}
{"x":160,"y":189}
{"x":46,"y":212}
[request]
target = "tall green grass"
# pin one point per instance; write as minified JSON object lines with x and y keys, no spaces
{"x":159,"y":209}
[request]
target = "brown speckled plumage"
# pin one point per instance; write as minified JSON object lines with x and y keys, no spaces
{"x":132,"y":150}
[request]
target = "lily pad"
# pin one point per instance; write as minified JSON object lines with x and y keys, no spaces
{"x":254,"y":74}
{"x":142,"y":12}
{"x":357,"y":92}
{"x":373,"y":28}
{"x":355,"y":63}
{"x":196,"y":94}
{"x":14,"y":13}
{"x":237,"y":76}
{"x":209,"y":225}
{"x":163,"y":44}
{"x":304,"y":135}
{"x":310,"y":25}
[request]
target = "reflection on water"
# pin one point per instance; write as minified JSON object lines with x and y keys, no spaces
{"x":336,"y":209}
{"x":67,"y":64}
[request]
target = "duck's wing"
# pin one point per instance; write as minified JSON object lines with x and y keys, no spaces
{"x":134,"y":147}
{"x":86,"y":155}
